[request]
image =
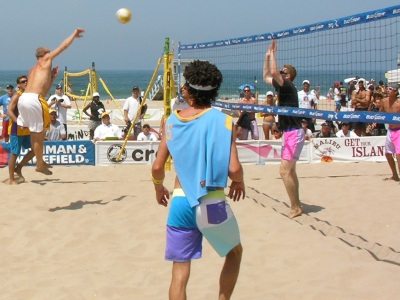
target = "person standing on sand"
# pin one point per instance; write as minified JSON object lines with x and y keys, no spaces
{"x":199,"y":139}
{"x":32,"y":106}
{"x":293,"y":134}
{"x":391,"y":104}
{"x":19,"y":136}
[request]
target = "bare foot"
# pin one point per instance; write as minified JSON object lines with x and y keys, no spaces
{"x":44,"y":171}
{"x":295,"y":213}
{"x":20,"y":179}
{"x":392,"y":178}
{"x":48,"y":166}
{"x":12,"y":182}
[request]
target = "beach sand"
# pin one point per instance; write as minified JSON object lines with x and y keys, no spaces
{"x":98,"y":233}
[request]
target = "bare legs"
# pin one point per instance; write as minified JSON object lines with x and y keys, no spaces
{"x":180,"y":278}
{"x":291,"y":182}
{"x":392,"y":165}
{"x":227,"y":281}
{"x":230,"y":273}
{"x":266,"y":130}
{"x":91,"y":134}
{"x":37,"y":141}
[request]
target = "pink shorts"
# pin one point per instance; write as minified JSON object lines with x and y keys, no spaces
{"x":393,"y":141}
{"x":292,"y":144}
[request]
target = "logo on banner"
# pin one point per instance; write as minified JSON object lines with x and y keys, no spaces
{"x":113,"y":152}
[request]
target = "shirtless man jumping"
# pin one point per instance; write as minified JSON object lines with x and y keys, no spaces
{"x":391,"y":104}
{"x":32,"y":106}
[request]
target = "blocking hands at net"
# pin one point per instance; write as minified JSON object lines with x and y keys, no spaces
{"x":293,"y":134}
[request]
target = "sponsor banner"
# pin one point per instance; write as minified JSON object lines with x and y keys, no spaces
{"x":250,"y":152}
{"x":348,"y":149}
{"x":78,"y":133}
{"x":58,"y":153}
{"x":349,"y":116}
{"x":110,"y":152}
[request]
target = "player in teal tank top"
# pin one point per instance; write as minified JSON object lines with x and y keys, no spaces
{"x":201,"y":140}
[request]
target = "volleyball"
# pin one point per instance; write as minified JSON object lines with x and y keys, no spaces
{"x":124,"y":15}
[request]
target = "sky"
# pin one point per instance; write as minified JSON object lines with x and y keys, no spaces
{"x":27,"y":24}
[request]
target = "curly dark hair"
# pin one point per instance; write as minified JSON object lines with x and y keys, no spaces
{"x":203,"y":73}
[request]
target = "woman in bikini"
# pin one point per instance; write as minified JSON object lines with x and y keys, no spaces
{"x":268,"y":119}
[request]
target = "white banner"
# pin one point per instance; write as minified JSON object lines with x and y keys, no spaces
{"x":258,"y":152}
{"x":262,"y":151}
{"x":135,"y":152}
{"x":348,"y":149}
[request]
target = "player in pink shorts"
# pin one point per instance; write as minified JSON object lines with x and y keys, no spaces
{"x":293,"y":134}
{"x":391,"y":104}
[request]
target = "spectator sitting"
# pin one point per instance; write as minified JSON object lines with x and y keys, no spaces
{"x":333,"y":127}
{"x":146,"y":135}
{"x":307,"y":132}
{"x":276,"y":132}
{"x":238,"y":132}
{"x":106,"y":129}
{"x":57,"y":130}
{"x":326,"y":131}
{"x":345,"y":131}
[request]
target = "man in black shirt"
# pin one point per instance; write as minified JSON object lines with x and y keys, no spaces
{"x":293,"y":134}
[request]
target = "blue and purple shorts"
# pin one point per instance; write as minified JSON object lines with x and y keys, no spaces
{"x":186,"y":226}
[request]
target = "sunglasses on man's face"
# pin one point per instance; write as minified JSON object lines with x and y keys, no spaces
{"x":23,"y":81}
{"x":246,"y":91}
{"x":283,"y":72}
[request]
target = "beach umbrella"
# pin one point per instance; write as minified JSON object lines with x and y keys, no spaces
{"x":347,"y":80}
{"x":246,"y":84}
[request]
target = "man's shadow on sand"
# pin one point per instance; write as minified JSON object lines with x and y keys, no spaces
{"x":80,"y":204}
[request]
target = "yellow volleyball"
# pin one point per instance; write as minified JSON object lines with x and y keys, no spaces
{"x":124,"y":15}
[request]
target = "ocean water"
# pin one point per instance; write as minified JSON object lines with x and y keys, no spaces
{"x":120,"y":83}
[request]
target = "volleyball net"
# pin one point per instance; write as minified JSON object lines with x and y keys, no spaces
{"x":364,"y":45}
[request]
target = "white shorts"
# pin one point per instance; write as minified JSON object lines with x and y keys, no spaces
{"x":33,"y":112}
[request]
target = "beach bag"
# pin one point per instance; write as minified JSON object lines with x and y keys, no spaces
{"x":245,"y":120}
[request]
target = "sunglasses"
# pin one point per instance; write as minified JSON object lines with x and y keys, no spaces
{"x":23,"y":81}
{"x":283,"y":72}
{"x":246,"y":91}
{"x":276,"y":131}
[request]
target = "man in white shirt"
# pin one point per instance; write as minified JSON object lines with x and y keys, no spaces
{"x":345,"y":132}
{"x":60,"y":103}
{"x":307,"y":132}
{"x":130,"y":108}
{"x":308,"y":99}
{"x":146,"y":135}
{"x":106,"y":129}
{"x":57,"y":131}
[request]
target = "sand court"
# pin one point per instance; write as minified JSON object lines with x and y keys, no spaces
{"x":98,"y":233}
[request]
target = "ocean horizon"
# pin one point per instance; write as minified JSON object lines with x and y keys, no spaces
{"x":120,"y":82}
